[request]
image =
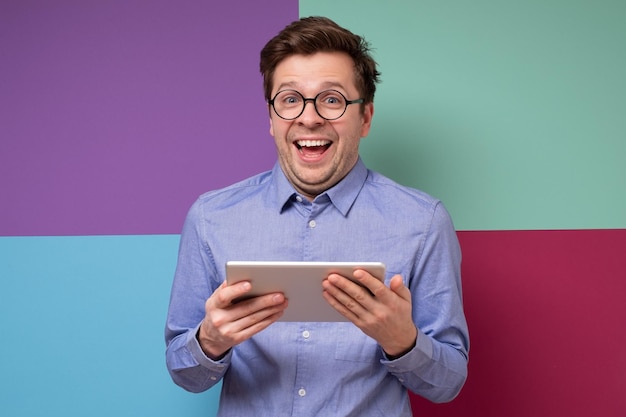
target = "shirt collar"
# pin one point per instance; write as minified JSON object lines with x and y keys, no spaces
{"x":345,"y":192}
{"x":342,"y":195}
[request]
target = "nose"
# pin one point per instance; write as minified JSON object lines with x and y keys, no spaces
{"x":309,"y":115}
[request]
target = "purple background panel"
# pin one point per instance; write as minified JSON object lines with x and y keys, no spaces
{"x":116,"y":115}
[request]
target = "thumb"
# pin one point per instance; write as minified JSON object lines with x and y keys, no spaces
{"x":397,"y":285}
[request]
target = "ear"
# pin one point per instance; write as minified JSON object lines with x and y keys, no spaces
{"x":368,"y":114}
{"x":270,"y":117}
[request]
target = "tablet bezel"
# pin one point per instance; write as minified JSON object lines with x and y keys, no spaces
{"x":301,"y":282}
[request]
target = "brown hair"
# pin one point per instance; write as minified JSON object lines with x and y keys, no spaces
{"x":320,"y":34}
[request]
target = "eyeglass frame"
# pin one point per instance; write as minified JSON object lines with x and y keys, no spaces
{"x":314,"y":100}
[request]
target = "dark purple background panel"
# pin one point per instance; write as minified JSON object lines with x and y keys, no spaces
{"x":116,"y":115}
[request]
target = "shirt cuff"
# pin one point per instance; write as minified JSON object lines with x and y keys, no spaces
{"x":193,"y":345}
{"x":420,"y":354}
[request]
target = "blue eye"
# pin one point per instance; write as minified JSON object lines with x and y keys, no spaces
{"x":288,"y":98}
{"x":331,"y":99}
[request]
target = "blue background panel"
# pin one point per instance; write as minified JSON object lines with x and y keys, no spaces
{"x":82,"y":323}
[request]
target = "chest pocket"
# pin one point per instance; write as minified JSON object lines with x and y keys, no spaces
{"x":354,"y":345}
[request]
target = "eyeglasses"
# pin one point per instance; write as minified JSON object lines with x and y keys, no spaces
{"x":329,"y":104}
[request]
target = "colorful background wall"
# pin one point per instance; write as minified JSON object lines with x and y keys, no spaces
{"x":116,"y":115}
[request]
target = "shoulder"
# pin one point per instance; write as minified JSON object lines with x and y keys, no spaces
{"x":413,"y":208}
{"x":238,"y":192}
{"x":385,"y":187}
{"x":403,"y":202}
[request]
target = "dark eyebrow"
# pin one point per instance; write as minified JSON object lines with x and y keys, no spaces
{"x":328,"y":85}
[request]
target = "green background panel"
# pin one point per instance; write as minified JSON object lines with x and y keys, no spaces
{"x":82,"y":323}
{"x":513,"y":113}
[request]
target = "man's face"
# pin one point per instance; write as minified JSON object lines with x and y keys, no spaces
{"x":314,"y":153}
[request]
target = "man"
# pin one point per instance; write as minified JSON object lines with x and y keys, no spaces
{"x":319,"y":203}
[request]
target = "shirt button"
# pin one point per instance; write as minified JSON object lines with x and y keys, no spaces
{"x":299,"y":199}
{"x":302,"y":392}
{"x":306,"y":334}
{"x":312,"y":224}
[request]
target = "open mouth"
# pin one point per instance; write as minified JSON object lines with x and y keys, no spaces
{"x":312,"y":148}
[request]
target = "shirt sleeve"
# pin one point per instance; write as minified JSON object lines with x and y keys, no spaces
{"x":436,"y":368}
{"x":194,"y":281}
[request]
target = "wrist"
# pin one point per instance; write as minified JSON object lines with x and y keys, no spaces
{"x":398,"y":353}
{"x":401,"y":354}
{"x":207,"y":348}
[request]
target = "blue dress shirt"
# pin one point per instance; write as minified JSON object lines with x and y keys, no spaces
{"x":321,"y":369}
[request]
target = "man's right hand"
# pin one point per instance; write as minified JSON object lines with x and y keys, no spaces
{"x":227,"y":324}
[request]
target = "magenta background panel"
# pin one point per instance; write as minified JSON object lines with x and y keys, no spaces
{"x":116,"y":115}
{"x":546,"y":318}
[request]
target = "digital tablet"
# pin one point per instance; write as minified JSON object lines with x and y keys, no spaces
{"x":301,"y":282}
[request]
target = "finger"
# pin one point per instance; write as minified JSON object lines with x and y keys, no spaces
{"x":397,"y":285}
{"x":245,"y":313}
{"x":247,"y":331}
{"x":260,"y":319}
{"x":380,"y":291}
{"x":217,"y":340}
{"x":347,"y":293}
{"x":338,"y":305}
{"x":237,"y":318}
{"x":375,"y":285}
{"x":254,"y":307}
{"x":225,"y":294}
{"x":352,"y":289}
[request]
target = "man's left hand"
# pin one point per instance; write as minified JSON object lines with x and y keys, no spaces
{"x":383,"y":313}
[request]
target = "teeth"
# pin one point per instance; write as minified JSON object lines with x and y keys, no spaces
{"x":303,"y":143}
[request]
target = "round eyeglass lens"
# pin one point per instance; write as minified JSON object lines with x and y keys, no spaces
{"x":330,"y":104}
{"x":290,"y":104}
